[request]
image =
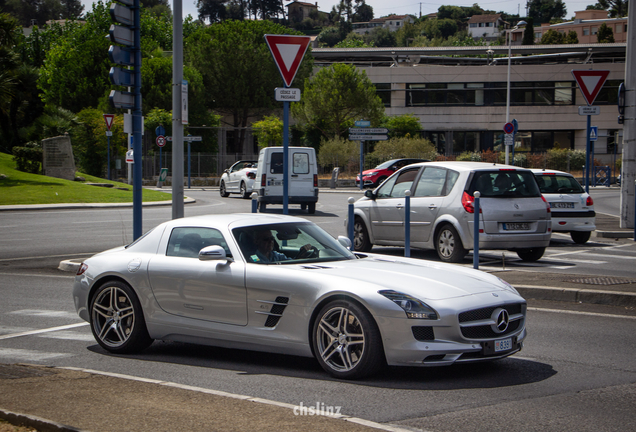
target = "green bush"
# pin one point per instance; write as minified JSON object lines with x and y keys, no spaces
{"x":338,"y":152}
{"x":469,"y":157}
{"x":577,"y":159}
{"x":558,"y":159}
{"x":28,"y":158}
{"x":404,"y":148}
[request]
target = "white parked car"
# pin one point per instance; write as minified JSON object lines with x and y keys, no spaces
{"x":282,"y":284}
{"x":572,"y":208}
{"x":239,"y":178}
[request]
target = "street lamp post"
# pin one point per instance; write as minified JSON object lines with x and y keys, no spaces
{"x":520,"y":23}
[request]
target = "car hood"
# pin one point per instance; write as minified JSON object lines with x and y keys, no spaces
{"x":421,"y":279}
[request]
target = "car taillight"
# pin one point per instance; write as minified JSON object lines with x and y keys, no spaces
{"x":263,"y":180}
{"x":315,"y":180}
{"x":547,"y":204}
{"x":82,"y":269}
{"x":467,"y":202}
{"x":589,"y":201}
{"x":251,"y":175}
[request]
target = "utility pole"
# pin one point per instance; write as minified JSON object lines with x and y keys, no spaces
{"x":628,"y":176}
{"x":177,"y":126}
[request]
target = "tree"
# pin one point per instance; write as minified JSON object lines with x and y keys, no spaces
{"x":439,"y":28}
{"x":337,"y":96}
{"x":269,"y":131}
{"x":381,"y":37}
{"x":572,"y":37}
{"x":238,"y":71}
{"x":616,"y":8}
{"x":542,"y":11}
{"x":552,"y":37}
{"x":43,"y":10}
{"x":405,"y":125}
{"x":406,"y":33}
{"x":605,"y":34}
{"x":214,"y":10}
{"x":528,"y":33}
{"x":363,"y":12}
{"x":329,"y":37}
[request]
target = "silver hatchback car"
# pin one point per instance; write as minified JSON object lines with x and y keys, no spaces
{"x":514,"y":214}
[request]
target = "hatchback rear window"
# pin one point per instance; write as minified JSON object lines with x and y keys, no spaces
{"x":504,"y":184}
{"x":556,"y":183}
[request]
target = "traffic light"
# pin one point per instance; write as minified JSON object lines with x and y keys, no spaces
{"x":125,"y":33}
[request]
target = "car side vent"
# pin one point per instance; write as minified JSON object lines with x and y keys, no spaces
{"x":423,"y":333}
{"x":276,"y":311}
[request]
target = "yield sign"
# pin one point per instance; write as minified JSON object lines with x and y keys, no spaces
{"x":590,"y":82}
{"x":288,"y":52}
{"x":108,"y":118}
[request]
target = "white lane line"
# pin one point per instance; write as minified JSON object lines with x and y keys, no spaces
{"x":609,"y":256}
{"x":45,"y":313}
{"x":570,"y":312}
{"x":72,"y":276}
{"x":47,"y":330}
{"x":30,"y":355}
{"x":551,"y":257}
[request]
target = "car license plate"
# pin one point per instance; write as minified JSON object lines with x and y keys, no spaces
{"x":503,"y":345}
{"x":517,"y":226}
{"x":275,"y":183}
{"x":561,"y":205}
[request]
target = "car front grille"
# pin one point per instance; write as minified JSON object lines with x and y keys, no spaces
{"x":479,"y":324}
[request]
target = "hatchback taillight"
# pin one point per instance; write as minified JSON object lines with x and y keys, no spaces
{"x":467,"y":202}
{"x":589,"y":201}
{"x":263,"y":180}
{"x":547,"y":204}
{"x":82,"y":269}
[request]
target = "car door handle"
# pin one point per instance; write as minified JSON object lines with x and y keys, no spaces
{"x":399,"y":206}
{"x":432,"y":206}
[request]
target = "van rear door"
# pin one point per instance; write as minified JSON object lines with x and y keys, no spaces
{"x":301,"y":173}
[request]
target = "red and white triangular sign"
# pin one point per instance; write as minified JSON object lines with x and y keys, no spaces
{"x":590,"y":82}
{"x":108,"y":118}
{"x":288,"y":52}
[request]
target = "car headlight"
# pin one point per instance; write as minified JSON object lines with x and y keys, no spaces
{"x":414,"y":308}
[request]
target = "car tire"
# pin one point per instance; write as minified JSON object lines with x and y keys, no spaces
{"x":346,"y":340}
{"x":117,"y":320}
{"x":224,"y":193}
{"x":449,"y":245}
{"x":262,"y":207}
{"x":580,"y":237}
{"x":361,"y":240}
{"x":311,"y":208}
{"x":531,"y":255}
{"x":303,"y":206}
{"x":244,"y":192}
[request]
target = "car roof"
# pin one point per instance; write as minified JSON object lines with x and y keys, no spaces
{"x":232,"y":220}
{"x":469,"y":166}
{"x":549,"y":171}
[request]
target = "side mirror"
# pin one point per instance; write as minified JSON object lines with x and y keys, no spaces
{"x":213,"y":253}
{"x":345,"y":241}
{"x":369,"y":194}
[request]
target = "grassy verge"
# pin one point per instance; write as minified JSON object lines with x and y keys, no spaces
{"x":17,"y":187}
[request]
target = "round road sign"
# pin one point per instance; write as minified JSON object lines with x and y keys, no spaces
{"x":161,"y":140}
{"x":509,"y":128}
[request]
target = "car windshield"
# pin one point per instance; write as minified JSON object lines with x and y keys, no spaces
{"x":504,"y":183}
{"x":289,"y":243}
{"x":385,"y":165}
{"x":558,"y":183}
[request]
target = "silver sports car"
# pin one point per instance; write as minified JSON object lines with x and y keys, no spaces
{"x":281,"y":284}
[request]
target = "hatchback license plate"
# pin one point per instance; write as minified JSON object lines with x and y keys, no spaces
{"x":562,"y":205}
{"x":503,"y":345}
{"x":516,"y":226}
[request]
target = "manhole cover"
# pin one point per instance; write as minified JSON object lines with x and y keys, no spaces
{"x":602,"y":281}
{"x":8,"y":371}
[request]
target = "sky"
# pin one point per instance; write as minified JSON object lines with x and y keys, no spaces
{"x":403,"y":7}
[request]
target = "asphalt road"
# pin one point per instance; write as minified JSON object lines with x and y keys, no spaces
{"x":576,"y":372}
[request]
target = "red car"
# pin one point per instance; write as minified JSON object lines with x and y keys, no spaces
{"x":373,"y":177}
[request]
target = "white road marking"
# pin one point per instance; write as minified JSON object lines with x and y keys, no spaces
{"x":23,"y":355}
{"x":609,"y":256}
{"x":46,"y":313}
{"x":570,"y":312}
{"x":47,"y":330}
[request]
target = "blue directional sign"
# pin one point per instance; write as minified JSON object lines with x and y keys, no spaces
{"x":593,"y":133}
{"x":160,"y":131}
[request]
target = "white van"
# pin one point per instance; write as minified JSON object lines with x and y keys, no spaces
{"x":303,"y":173}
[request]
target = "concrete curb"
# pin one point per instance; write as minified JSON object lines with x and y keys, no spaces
{"x":574,"y":295}
{"x":42,"y":425}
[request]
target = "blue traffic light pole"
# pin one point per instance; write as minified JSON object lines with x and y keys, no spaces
{"x":137,"y":127}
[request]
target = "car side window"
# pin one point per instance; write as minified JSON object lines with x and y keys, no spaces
{"x":188,"y":241}
{"x":276,"y":163}
{"x":397,"y":185}
{"x":431,"y":182}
